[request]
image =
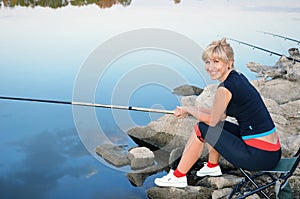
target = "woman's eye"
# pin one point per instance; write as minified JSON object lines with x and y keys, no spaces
{"x":216,"y":61}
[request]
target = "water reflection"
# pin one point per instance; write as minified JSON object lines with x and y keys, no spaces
{"x":63,"y":3}
{"x":39,"y":163}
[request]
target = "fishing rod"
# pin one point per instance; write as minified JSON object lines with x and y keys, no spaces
{"x":280,"y":36}
{"x":262,"y":49}
{"x":131,"y":108}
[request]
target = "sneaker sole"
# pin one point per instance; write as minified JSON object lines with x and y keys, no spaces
{"x":162,"y":184}
{"x":213,"y":175}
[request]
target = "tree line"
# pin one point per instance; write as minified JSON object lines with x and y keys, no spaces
{"x":63,"y":3}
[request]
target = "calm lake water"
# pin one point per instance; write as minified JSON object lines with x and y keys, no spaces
{"x":130,"y":53}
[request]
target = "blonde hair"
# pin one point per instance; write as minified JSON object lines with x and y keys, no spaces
{"x":219,"y":49}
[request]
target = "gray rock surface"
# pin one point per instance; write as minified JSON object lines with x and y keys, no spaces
{"x":223,"y":181}
{"x":137,"y":177}
{"x":221,"y":193}
{"x":190,"y":192}
{"x":187,"y":90}
{"x":116,"y":155}
{"x":285,"y":68}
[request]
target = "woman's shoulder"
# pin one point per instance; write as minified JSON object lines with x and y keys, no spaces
{"x":235,"y":82}
{"x":236,"y":77}
{"x":232,"y":78}
{"x":236,"y":73}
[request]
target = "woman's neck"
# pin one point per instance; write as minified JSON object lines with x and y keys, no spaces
{"x":224,"y":77}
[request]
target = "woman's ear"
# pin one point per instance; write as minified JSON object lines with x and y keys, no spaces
{"x":230,"y":64}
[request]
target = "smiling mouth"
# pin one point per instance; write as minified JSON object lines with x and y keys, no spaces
{"x":213,"y":73}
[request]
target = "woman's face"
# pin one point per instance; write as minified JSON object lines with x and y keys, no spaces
{"x":216,"y":68}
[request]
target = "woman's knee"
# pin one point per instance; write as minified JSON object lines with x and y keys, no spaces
{"x":198,"y":131}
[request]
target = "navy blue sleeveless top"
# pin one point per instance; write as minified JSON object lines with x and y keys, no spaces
{"x":247,"y":106}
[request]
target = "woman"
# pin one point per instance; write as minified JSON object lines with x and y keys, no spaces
{"x":253,"y":144}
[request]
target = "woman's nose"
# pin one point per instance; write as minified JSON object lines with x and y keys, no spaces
{"x":210,"y":66}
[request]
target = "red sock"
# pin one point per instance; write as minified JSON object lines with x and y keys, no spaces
{"x":178,"y":174}
{"x":211,"y":165}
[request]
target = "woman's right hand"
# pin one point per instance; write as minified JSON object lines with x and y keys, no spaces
{"x":181,"y":112}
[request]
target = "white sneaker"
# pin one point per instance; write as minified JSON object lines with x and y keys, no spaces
{"x":170,"y":180}
{"x":206,"y":171}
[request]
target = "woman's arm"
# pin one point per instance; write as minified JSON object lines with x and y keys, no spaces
{"x":209,"y":116}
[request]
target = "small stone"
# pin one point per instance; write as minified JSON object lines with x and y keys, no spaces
{"x":140,"y":157}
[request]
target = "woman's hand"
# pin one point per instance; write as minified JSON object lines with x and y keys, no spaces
{"x":181,"y":112}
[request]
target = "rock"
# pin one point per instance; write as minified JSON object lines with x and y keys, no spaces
{"x":224,"y":181}
{"x":280,"y":90}
{"x":188,"y":101}
{"x":289,"y":144}
{"x":266,"y":71}
{"x":175,"y":155}
{"x":286,"y":68}
{"x":140,"y":157}
{"x":186,"y":90}
{"x":189,"y":192}
{"x":221,"y":193}
{"x":291,"y":109}
{"x":174,"y":126}
{"x":150,"y":137}
{"x":294,"y":53}
{"x":254,"y":196}
{"x":116,"y":155}
{"x":166,"y":133}
{"x":138,"y":177}
{"x":206,"y":98}
{"x":295,"y":183}
{"x":273,"y":106}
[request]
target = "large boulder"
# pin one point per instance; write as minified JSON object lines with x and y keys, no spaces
{"x":285,"y":68}
{"x":187,"y":90}
{"x":280,"y":90}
